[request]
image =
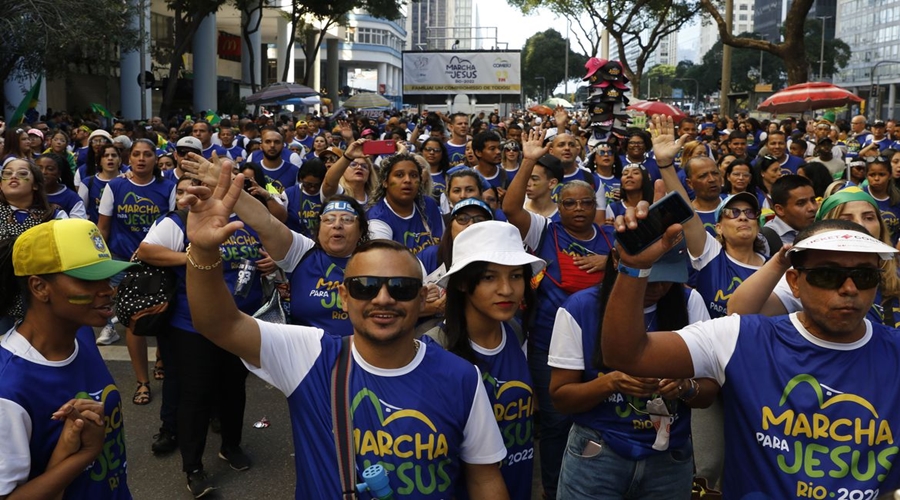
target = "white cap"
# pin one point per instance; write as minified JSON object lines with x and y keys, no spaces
{"x":844,"y":240}
{"x":490,"y":241}
{"x":189,"y":142}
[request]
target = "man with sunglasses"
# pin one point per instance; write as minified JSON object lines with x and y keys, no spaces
{"x":418,"y":410}
{"x":804,"y":394}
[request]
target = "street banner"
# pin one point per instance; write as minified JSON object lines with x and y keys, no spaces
{"x":488,"y":72}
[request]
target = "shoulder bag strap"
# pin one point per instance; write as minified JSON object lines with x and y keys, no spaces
{"x":342,"y":422}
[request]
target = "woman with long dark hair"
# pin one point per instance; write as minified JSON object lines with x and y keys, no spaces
{"x":486,"y":286}
{"x":91,"y":188}
{"x":91,"y":165}
{"x":636,"y":186}
{"x":59,"y":183}
{"x":435,"y":153}
{"x":614,"y":450}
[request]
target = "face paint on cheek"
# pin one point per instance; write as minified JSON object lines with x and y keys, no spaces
{"x":80,"y":300}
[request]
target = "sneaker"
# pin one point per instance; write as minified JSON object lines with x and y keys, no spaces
{"x":164,"y":443}
{"x":198,"y":483}
{"x":108,"y":335}
{"x":236,"y":458}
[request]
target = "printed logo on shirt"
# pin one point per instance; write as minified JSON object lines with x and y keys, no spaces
{"x":327,"y":290}
{"x":720,"y":301}
{"x":239,"y":246}
{"x":418,"y":241}
{"x":109,"y":464}
{"x":826,"y":433}
{"x":137,"y":212}
{"x":513,"y":407}
{"x":417,"y":451}
{"x":309,"y":214}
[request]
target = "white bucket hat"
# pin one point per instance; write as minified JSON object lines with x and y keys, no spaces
{"x":490,"y":241}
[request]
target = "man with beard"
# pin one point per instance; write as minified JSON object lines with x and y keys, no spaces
{"x":565,"y":147}
{"x":435,"y":442}
{"x":279,"y":173}
{"x":705,"y":179}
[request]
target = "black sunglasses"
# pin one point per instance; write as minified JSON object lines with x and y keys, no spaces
{"x":402,"y":289}
{"x":832,"y":278}
{"x":734,"y":213}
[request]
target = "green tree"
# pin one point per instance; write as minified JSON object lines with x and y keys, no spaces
{"x":51,"y":37}
{"x":658,"y":82}
{"x":544,"y":57}
{"x":631,"y":23}
{"x":325,"y":15}
{"x":249,"y":26}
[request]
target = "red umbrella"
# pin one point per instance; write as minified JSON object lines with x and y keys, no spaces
{"x":807,"y":97}
{"x":651,"y":108}
{"x":541,"y":109}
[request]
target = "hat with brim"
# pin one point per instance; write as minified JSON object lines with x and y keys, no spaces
{"x":495,"y":242}
{"x":472,"y":202}
{"x":592,"y":66}
{"x":745,"y":196}
{"x":672,"y":267}
{"x":844,"y":240}
{"x":69,"y":246}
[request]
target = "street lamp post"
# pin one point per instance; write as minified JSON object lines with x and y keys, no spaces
{"x":875,"y":113}
{"x":543,"y":85}
{"x":567,"y":59}
{"x":822,"y":48}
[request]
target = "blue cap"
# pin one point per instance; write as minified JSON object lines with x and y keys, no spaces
{"x":672,"y":267}
{"x":472,"y":202}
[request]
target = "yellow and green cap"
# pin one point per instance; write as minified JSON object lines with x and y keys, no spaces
{"x":69,"y":246}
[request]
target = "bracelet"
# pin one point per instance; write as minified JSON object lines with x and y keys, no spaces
{"x":633,"y":272}
{"x":665,"y":166}
{"x":193,"y":264}
{"x":691,"y":393}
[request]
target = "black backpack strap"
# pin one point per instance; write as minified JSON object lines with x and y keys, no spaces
{"x":342,"y":421}
{"x":773,"y":241}
{"x":588,"y":177}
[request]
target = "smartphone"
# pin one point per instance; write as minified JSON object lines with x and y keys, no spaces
{"x":387,"y":147}
{"x":187,"y":118}
{"x":591,"y":449}
{"x":670,"y":209}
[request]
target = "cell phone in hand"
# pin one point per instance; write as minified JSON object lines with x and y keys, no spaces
{"x":387,"y":147}
{"x":670,"y":209}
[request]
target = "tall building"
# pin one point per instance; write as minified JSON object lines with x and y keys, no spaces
{"x":437,"y":24}
{"x":769,"y":15}
{"x":666,"y":52}
{"x":873,"y":32}
{"x":741,"y":22}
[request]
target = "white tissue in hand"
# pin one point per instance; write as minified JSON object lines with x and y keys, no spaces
{"x":662,"y":422}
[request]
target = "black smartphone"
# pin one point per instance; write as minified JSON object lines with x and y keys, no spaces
{"x":670,"y":209}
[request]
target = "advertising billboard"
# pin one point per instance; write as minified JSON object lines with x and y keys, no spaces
{"x":488,"y":72}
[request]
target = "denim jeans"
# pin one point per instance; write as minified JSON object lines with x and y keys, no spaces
{"x":554,"y":426}
{"x":665,"y":475}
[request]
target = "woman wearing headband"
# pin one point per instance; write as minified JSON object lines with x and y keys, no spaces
{"x":486,"y":286}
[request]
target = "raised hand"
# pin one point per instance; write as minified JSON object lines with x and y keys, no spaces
{"x":208,"y":222}
{"x":561,"y":116}
{"x":206,"y":171}
{"x":665,"y":146}
{"x":354,"y":150}
{"x":533,"y":145}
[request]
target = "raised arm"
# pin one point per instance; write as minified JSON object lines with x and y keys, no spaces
{"x":625,"y":343}
{"x":665,"y":148}
{"x":514,"y":201}
{"x":756,"y":294}
{"x":213,"y":309}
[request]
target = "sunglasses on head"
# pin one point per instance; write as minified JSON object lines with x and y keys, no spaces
{"x":877,"y":159}
{"x":402,"y":289}
{"x":832,"y":278}
{"x":734,"y":213}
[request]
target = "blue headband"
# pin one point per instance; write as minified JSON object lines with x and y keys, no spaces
{"x":342,"y":206}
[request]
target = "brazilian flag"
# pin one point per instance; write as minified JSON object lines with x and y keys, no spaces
{"x":212,"y":118}
{"x":101,"y":110}
{"x":30,"y":101}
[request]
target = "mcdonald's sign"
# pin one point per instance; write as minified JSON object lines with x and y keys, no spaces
{"x":229,"y":46}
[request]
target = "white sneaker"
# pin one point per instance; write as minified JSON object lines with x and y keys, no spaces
{"x":108,"y":335}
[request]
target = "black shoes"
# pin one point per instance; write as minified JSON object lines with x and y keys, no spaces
{"x":235,"y":458}
{"x":198,"y":483}
{"x":164,"y":443}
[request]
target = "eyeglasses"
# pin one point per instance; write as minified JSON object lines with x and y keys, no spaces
{"x":359,"y":164}
{"x":877,"y":159}
{"x":832,"y":278}
{"x":432,"y":150}
{"x":118,"y":129}
{"x":311,"y":187}
{"x":99,"y":140}
{"x":331,"y":219}
{"x":570,"y":204}
{"x":466,"y":219}
{"x":402,"y":289}
{"x":604,"y":152}
{"x":734,"y":213}
{"x":20,"y":174}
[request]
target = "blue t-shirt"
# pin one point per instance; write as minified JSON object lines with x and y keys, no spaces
{"x":282,"y":177}
{"x":883,"y":144}
{"x":314,"y":293}
{"x":805,"y":418}
{"x":630,"y":434}
{"x":610,"y":185}
{"x":438,"y":185}
{"x":40,"y":389}
{"x":307,"y":142}
{"x":65,"y":199}
{"x":135,"y":209}
{"x":258,"y":156}
{"x":214,"y":148}
{"x":416,"y":439}
{"x":791,"y":165}
{"x":456,"y":154}
{"x":411,"y":232}
{"x":303,"y":211}
{"x":719,"y":277}
{"x":890,"y":214}
{"x":243,"y":244}
{"x":95,"y":187}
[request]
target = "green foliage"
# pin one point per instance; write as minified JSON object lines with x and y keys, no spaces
{"x":544,"y":56}
{"x":659,"y":81}
{"x":50,"y":35}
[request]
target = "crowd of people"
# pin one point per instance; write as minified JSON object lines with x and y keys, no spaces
{"x":471,"y":275}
